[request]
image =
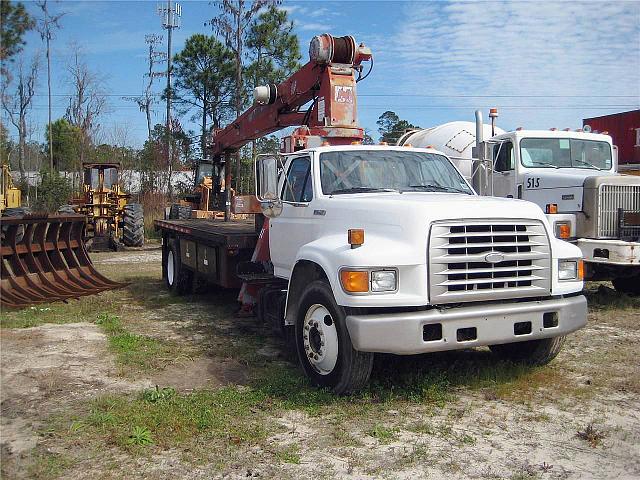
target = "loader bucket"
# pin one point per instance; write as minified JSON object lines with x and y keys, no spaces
{"x":44,"y":260}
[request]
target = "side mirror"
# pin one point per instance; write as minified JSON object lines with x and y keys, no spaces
{"x":266,"y":175}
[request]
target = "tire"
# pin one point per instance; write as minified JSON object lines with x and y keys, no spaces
{"x":323,"y":343}
{"x":133,"y":225}
{"x":179,"y":212}
{"x":178,"y":279}
{"x":628,"y":285}
{"x":66,"y":210}
{"x":16,"y":212}
{"x":532,"y":352}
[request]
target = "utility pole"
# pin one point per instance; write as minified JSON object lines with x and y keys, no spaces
{"x":46,"y":26}
{"x":170,"y":19}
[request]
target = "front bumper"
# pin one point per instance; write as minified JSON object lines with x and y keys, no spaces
{"x":611,"y":252}
{"x":403,"y":333}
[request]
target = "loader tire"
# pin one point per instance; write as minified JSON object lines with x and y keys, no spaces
{"x":66,"y":210}
{"x":179,"y":212}
{"x":324,"y":346}
{"x":16,"y":212}
{"x":532,"y":352}
{"x":133,"y":228}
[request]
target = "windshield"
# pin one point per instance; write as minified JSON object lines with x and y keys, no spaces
{"x":110,"y":177}
{"x":565,"y":153}
{"x":359,"y":171}
{"x":204,"y":170}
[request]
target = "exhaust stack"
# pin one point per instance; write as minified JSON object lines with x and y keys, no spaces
{"x":479,"y":170}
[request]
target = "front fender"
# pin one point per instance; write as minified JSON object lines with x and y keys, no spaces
{"x":333,"y":253}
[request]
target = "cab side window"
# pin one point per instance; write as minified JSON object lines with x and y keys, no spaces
{"x":504,"y":159}
{"x":298,"y":186}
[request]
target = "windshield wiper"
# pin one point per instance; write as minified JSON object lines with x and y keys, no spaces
{"x":587,"y":163}
{"x":429,"y":187}
{"x":361,"y":190}
{"x":545,"y":164}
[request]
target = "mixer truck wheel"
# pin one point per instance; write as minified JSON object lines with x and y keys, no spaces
{"x":133,"y":225}
{"x":629,"y":285}
{"x":324,"y":345}
{"x":532,"y":352}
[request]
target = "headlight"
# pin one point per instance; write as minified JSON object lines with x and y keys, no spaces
{"x":384,"y":281}
{"x":570,"y":270}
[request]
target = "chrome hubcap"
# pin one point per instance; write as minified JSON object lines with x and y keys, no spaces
{"x":320,"y":339}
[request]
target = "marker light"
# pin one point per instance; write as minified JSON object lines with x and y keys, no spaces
{"x":563,"y":230}
{"x":355,"y":237}
{"x":354,"y":281}
{"x":552,"y":208}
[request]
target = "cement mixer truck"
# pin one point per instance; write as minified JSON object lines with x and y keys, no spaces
{"x":571,"y":175}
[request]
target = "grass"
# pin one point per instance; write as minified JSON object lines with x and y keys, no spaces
{"x":138,"y":351}
{"x":45,"y":465}
{"x":601,"y":296}
{"x":383,"y":433}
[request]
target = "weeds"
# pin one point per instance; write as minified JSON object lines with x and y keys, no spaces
{"x":140,"y":436}
{"x":591,"y":435}
{"x":382,"y":433}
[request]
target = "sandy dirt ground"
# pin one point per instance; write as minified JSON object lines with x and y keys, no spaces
{"x":480,"y":433}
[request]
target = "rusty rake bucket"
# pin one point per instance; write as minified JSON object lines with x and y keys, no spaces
{"x":44,"y":259}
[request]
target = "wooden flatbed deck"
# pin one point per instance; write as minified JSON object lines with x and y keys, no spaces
{"x":232,"y":234}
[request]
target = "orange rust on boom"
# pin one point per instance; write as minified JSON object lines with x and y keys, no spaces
{"x":44,"y":259}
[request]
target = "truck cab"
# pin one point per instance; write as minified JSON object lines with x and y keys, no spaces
{"x":573,"y":177}
{"x":389,"y":249}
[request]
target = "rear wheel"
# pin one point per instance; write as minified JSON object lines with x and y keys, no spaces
{"x":533,"y":352}
{"x":323,"y":343}
{"x":133,"y":225}
{"x":629,"y":285}
{"x":178,"y":279}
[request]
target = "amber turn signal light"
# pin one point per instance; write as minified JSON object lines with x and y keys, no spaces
{"x":552,"y":208}
{"x":563,"y":230}
{"x":354,"y":282}
{"x":355,"y":237}
{"x":580,"y":270}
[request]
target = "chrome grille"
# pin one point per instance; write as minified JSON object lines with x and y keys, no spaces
{"x":488,"y":260}
{"x":610,"y":199}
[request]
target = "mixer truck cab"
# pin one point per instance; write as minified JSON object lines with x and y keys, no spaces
{"x":571,"y":175}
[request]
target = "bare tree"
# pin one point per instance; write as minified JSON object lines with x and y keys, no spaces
{"x":17,"y":103}
{"x":155,"y":57}
{"x":47,"y":24}
{"x":87,"y":103}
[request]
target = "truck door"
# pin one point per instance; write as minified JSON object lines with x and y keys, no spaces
{"x":293,"y":228}
{"x":504,"y":178}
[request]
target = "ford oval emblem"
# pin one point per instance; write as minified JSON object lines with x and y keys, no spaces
{"x":494,"y":257}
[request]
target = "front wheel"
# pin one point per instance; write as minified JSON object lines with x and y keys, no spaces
{"x":532,"y":352}
{"x":323,"y":343}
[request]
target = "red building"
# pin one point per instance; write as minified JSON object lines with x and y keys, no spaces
{"x":624,"y":129}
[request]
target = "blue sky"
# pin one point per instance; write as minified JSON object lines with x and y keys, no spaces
{"x":543,"y":64}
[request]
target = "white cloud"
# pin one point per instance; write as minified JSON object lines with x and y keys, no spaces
{"x":318,"y":27}
{"x":576,"y":51}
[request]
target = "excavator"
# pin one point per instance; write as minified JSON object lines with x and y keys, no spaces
{"x":43,"y":257}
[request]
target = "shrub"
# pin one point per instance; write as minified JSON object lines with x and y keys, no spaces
{"x":54,"y":190}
